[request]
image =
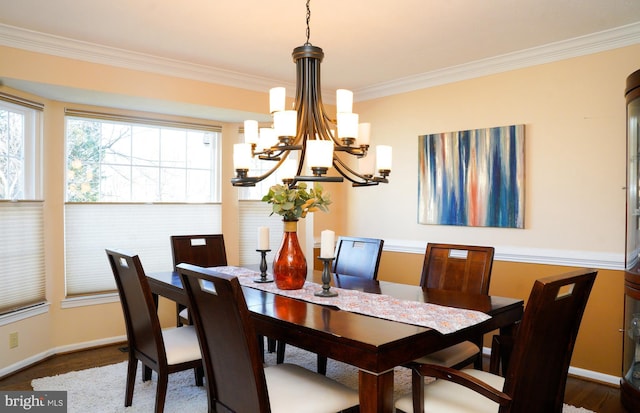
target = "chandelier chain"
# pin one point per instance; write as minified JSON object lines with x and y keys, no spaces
{"x":308,"y":19}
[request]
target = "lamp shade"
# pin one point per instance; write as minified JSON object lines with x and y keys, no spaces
{"x":320,"y":153}
{"x":383,"y":158}
{"x":251,"y":131}
{"x":268,"y":138}
{"x":364,"y":134}
{"x":367,"y":164}
{"x":344,"y":101}
{"x":347,"y":125}
{"x":277,"y":99}
{"x":241,"y":156}
{"x":284,"y":122}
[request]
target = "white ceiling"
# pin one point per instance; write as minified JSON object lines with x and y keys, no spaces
{"x":373,"y":47}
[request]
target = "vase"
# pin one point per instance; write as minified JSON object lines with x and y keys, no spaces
{"x":290,"y":265}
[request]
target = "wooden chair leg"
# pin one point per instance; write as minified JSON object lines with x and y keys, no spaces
{"x":161,"y":391}
{"x":271,"y":345}
{"x":417,"y":389}
{"x":280,"y":346}
{"x":199,"y":376}
{"x":132,"y":368}
{"x":146,"y":373}
{"x":322,"y":365}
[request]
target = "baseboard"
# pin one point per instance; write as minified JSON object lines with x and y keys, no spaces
{"x":58,"y":350}
{"x":580,"y":373}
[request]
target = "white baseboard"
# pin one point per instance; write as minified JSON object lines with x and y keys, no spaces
{"x":58,"y":350}
{"x":580,"y":373}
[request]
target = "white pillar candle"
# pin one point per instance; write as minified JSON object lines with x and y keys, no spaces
{"x":327,"y":244}
{"x":263,"y":238}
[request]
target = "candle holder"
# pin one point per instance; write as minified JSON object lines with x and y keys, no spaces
{"x":326,"y":279}
{"x":263,"y":268}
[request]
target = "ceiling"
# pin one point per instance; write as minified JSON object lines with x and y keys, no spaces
{"x":373,"y":47}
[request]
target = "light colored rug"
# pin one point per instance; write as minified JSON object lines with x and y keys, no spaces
{"x":101,"y":389}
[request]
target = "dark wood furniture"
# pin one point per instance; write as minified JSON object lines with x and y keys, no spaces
{"x":163,"y":351}
{"x":536,"y":376}
{"x":372,"y":344}
{"x":465,"y":268}
{"x":203,"y":250}
{"x":630,"y":382}
{"x":236,"y":378}
{"x":356,"y":256}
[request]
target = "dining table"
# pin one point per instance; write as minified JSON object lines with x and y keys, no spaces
{"x":372,"y":344}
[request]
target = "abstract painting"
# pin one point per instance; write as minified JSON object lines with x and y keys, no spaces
{"x":472,"y":178}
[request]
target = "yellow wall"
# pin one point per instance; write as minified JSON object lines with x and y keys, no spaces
{"x":574,"y":114}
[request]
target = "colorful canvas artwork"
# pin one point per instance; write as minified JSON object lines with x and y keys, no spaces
{"x":472,"y":178}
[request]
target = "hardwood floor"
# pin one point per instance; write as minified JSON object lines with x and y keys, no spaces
{"x":590,"y":395}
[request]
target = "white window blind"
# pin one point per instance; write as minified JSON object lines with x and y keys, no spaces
{"x":132,"y":182}
{"x":143,"y":229}
{"x":255,"y":214}
{"x":22,"y":255}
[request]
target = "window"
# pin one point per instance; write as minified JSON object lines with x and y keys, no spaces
{"x":131,"y":184}
{"x":21,"y":215}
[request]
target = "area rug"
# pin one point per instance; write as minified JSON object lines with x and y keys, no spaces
{"x":101,"y":389}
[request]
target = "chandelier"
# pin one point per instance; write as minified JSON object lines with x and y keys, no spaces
{"x":307,"y":133}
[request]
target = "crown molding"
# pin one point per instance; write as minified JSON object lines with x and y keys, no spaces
{"x":38,"y":42}
{"x":20,"y":38}
{"x":580,"y":46}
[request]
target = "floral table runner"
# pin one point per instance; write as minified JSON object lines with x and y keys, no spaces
{"x":443,"y":319}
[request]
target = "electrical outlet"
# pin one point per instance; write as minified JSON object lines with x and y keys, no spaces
{"x":13,"y":340}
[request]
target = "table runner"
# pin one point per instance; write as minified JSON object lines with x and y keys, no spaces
{"x":441,"y":318}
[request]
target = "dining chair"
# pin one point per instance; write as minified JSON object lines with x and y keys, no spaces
{"x":536,"y":375}
{"x":164,"y":351}
{"x":203,"y":250}
{"x":236,"y":379}
{"x":359,"y":257}
{"x":355,"y":256}
{"x":464,"y":268}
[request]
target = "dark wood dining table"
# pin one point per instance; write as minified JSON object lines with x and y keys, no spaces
{"x":374,"y":345}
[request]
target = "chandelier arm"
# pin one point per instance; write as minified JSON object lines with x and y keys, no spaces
{"x":252,"y":180}
{"x":345,"y":170}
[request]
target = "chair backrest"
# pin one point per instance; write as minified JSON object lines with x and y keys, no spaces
{"x":537,"y":372}
{"x":141,"y":319}
{"x":359,"y":257}
{"x":228,"y":341}
{"x":465,"y":268}
{"x":201,"y":250}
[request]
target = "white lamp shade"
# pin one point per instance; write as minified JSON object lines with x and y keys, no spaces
{"x":364,"y":134}
{"x":242,"y":156}
{"x":348,"y":125}
{"x":268,"y":138}
{"x":277,"y":99}
{"x":344,"y":101}
{"x":383,"y":157}
{"x":367,"y":165}
{"x":288,"y":169}
{"x":284,"y":122}
{"x":320,"y":153}
{"x":251,"y":131}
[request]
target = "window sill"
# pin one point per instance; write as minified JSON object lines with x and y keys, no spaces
{"x":25,"y":313}
{"x":73,"y":302}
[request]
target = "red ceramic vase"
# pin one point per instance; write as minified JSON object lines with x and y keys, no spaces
{"x":290,"y":265}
